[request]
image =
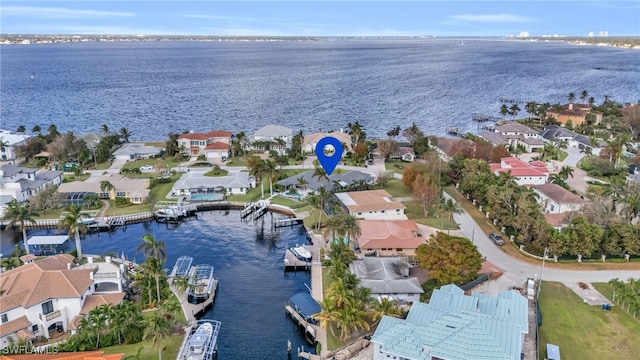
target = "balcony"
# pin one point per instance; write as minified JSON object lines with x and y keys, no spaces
{"x":50,"y":316}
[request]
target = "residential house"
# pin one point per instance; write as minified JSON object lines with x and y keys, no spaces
{"x":135,"y":190}
{"x":448,"y":147}
{"x":214,"y":144}
{"x":21,"y":183}
{"x":310,"y":184}
{"x":404,"y":153}
{"x":132,"y":151}
{"x":310,"y":141}
{"x":576,"y":113}
{"x":390,"y":237}
{"x":44,"y":297}
{"x":573,"y":139}
{"x":513,"y":134}
{"x":273,"y":137}
{"x":534,"y":173}
{"x":556,"y":200}
{"x":454,"y":326}
{"x":9,"y":142}
{"x":235,"y":182}
{"x":372,"y":205}
{"x":387,"y":277}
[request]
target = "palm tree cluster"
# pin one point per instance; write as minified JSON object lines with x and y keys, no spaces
{"x":347,"y":306}
{"x":627,"y":295}
{"x":342,"y":226}
{"x":261,"y":169}
{"x":151,"y":275}
{"x":21,"y":215}
{"x":108,"y":325}
{"x":598,"y":229}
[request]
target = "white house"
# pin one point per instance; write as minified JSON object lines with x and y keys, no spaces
{"x":135,"y":190}
{"x":194,"y":182}
{"x":21,"y":183}
{"x":131,"y":151}
{"x":372,"y":205}
{"x":387,"y":277}
{"x":273,"y":134}
{"x":533,"y":173}
{"x":514,"y":134}
{"x":46,"y":296}
{"x":310,"y":141}
{"x":555,"y":199}
{"x":8,"y":142}
{"x":214,"y":144}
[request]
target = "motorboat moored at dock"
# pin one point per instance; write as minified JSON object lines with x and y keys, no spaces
{"x":201,"y":283}
{"x":301,"y":252}
{"x":201,"y":341}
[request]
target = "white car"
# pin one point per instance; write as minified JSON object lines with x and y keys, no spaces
{"x":146,"y":168}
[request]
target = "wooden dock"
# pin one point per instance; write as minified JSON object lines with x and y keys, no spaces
{"x":193,"y":311}
{"x":292,"y":263}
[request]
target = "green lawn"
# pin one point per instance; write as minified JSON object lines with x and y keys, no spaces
{"x":311,"y":219}
{"x":583,"y":331}
{"x":216,"y":172}
{"x":396,"y":188}
{"x":171,"y":348}
{"x":293,"y":204}
{"x":395,"y":166}
{"x":251,"y":195}
{"x":416,"y":212}
{"x":71,"y":177}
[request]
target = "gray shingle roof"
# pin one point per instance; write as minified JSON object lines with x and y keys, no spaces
{"x":10,"y":170}
{"x":554,"y":131}
{"x":314,"y":183}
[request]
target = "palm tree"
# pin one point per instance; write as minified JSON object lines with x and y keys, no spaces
{"x":53,"y":131}
{"x":385,"y":306}
{"x":571,"y":97}
{"x":36,"y":129}
{"x":351,"y":318}
{"x":181,"y":283}
{"x":584,"y":95}
{"x":105,"y":129}
{"x":565,"y":172}
{"x":152,"y":247}
{"x":333,"y":229}
{"x":449,"y":207}
{"x":513,"y":110}
{"x":328,"y":314}
{"x":272,"y":172}
{"x":632,"y":204}
{"x":531,"y":107}
{"x":504,"y":110}
{"x":21,"y":129}
{"x":19,"y":214}
{"x":11,"y":262}
{"x":259,"y":170}
{"x":72,"y":222}
{"x":351,"y":228}
{"x":157,"y":330}
{"x":125,"y":134}
{"x":591,"y":101}
{"x":302,"y":183}
{"x":320,"y":174}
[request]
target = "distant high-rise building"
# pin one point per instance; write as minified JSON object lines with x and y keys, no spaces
{"x":590,"y":34}
{"x":604,"y":33}
{"x":523,"y":34}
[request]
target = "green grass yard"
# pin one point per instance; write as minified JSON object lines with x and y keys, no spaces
{"x":171,"y":348}
{"x":584,"y":331}
{"x":396,"y":188}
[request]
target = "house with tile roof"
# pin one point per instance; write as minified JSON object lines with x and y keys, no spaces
{"x":454,"y":326}
{"x":534,"y":173}
{"x":390,"y":237}
{"x":555,"y":199}
{"x":45,"y":296}
{"x":213,"y":144}
{"x":21,"y":183}
{"x":372,"y":205}
{"x":311,"y":140}
{"x":576,"y":113}
{"x":387,"y":277}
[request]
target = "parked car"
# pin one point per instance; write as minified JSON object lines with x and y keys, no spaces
{"x":497,"y":239}
{"x":146,"y":168}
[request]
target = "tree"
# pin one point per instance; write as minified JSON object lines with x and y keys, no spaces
{"x":531,"y":108}
{"x":105,"y":129}
{"x":571,"y":97}
{"x":125,"y":134}
{"x":387,"y":147}
{"x":384,"y":306}
{"x":320,"y":174}
{"x":504,"y":110}
{"x":53,"y":132}
{"x":565,"y":172}
{"x":631,"y":120}
{"x":106,"y":187}
{"x":155,"y":252}
{"x":157,"y":330}
{"x":584,"y":95}
{"x":19,"y":214}
{"x":350,"y":228}
{"x":72,"y":222}
{"x":450,"y":259}
{"x":302,"y":183}
{"x":412,"y":133}
{"x":357,"y":133}
{"x":513,"y":110}
{"x":449,"y":207}
{"x":425,"y":193}
{"x":394,"y":133}
{"x":383,"y":178}
{"x":36,"y":129}
{"x":21,"y":129}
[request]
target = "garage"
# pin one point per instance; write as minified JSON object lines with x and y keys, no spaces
{"x":217,"y":150}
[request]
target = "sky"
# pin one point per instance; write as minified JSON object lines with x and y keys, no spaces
{"x":321,"y":18}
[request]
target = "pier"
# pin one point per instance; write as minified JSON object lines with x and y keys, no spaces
{"x":292,"y":263}
{"x":483,"y":118}
{"x":454,"y":131}
{"x":194,"y":311}
{"x":505,"y":100}
{"x":248,"y":210}
{"x":287,"y":222}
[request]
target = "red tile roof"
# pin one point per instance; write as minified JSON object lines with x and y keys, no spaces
{"x":381,"y":234}
{"x":519,"y":168}
{"x":218,"y":146}
{"x":206,"y":136}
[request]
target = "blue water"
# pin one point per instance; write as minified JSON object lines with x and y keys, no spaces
{"x":248,"y":261}
{"x":153,"y":88}
{"x":202,"y":197}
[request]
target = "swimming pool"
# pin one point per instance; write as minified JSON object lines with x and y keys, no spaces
{"x":206,"y":197}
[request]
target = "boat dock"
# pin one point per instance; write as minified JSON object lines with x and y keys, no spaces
{"x":482,"y":118}
{"x":182,"y":266}
{"x":211,"y":350}
{"x":193,"y":311}
{"x":292,"y":263}
{"x":287,"y":222}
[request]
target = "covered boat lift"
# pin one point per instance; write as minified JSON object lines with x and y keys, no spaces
{"x":48,"y":245}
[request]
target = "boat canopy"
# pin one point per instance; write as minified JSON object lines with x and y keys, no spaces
{"x":305,"y":305}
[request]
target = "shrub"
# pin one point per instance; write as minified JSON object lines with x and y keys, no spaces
{"x":122,"y":202}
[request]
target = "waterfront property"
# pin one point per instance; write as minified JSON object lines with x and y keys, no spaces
{"x":573,"y":139}
{"x":302,"y":307}
{"x":390,"y":237}
{"x":272,"y":137}
{"x":8,"y":143}
{"x":404,"y":153}
{"x":335,"y":182}
{"x":372,"y":205}
{"x":454,"y":326}
{"x":577,"y":114}
{"x":200,"y":187}
{"x":45,"y":297}
{"x":448,"y":147}
{"x":214,"y":144}
{"x":48,"y":245}
{"x":201,"y":341}
{"x":21,"y":183}
{"x":533,"y":173}
{"x":555,"y":199}
{"x":387,"y":277}
{"x":132,"y":151}
{"x":135,"y":190}
{"x":513,"y":134}
{"x":311,"y":140}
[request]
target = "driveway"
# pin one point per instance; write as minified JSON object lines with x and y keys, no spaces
{"x":574,"y":156}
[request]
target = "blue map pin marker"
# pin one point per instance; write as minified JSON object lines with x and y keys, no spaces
{"x":329,"y":162}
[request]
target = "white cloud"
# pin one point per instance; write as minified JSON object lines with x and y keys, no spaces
{"x":59,"y":13}
{"x":493,"y":18}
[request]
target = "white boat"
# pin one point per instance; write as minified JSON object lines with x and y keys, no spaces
{"x":199,"y":342}
{"x":201,"y":283}
{"x":301,"y":253}
{"x":87,"y":220}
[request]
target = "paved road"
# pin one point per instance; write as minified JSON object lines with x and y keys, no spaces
{"x":517,"y":271}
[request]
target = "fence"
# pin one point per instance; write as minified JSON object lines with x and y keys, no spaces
{"x":475,"y":282}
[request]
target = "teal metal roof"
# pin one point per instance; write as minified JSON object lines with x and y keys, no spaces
{"x":450,"y":328}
